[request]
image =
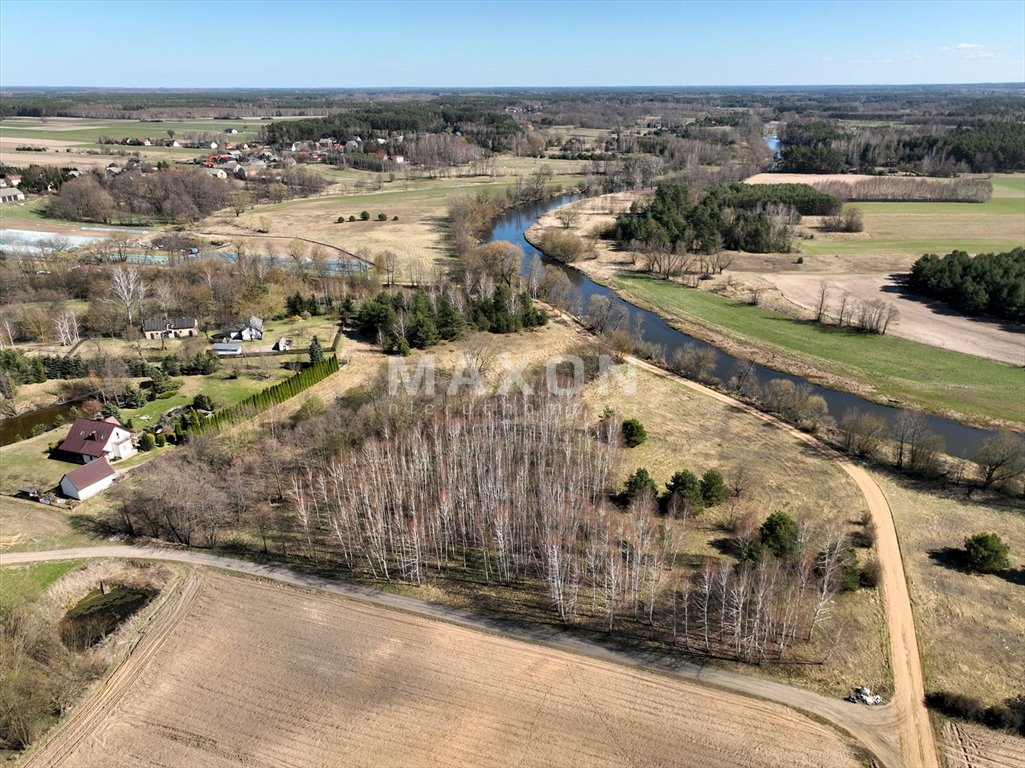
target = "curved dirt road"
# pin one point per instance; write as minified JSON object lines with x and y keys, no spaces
{"x":917,"y":741}
{"x":872,"y":727}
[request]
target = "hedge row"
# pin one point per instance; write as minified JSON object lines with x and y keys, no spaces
{"x":263,"y":400}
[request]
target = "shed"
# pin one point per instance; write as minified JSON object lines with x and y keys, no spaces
{"x":227,"y":349}
{"x":87,"y":481}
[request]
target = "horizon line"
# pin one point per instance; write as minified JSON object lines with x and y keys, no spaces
{"x":752,"y":86}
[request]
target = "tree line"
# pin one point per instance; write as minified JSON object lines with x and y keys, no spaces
{"x":989,"y":283}
{"x":510,"y":491}
{"x":976,"y":146}
{"x":737,"y":217}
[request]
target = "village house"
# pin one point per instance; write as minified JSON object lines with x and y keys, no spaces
{"x":248,"y":330}
{"x":87,"y":481}
{"x":175,"y":328}
{"x":11,"y":195}
{"x":89,"y":440}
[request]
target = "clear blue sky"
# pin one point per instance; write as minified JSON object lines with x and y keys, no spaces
{"x":330,"y":44}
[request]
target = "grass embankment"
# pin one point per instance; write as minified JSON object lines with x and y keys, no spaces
{"x":885,"y":368}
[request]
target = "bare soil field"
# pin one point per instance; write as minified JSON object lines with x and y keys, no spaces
{"x":268,"y":675}
{"x":971,"y":627}
{"x":924,"y":321}
{"x":964,"y":745}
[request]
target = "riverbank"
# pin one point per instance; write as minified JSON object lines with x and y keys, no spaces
{"x":885,"y":370}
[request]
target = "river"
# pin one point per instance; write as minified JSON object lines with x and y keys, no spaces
{"x":960,"y":440}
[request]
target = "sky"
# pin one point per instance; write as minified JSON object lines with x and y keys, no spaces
{"x":426,"y":44}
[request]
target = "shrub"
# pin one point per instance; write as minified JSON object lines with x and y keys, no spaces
{"x":202,"y":402}
{"x":364,"y":216}
{"x":634,"y":433}
{"x":394,"y":218}
{"x":639,"y":482}
{"x":713,"y":488}
{"x":38,"y":429}
{"x":146,"y":442}
{"x":161,"y":440}
{"x":872,"y":573}
{"x":850,"y":572}
{"x":987,"y":553}
{"x":800,"y":259}
{"x":779,"y":535}
{"x":382,"y":217}
{"x":341,"y":220}
{"x":352,"y":218}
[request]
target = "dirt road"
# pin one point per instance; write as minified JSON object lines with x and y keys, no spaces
{"x":917,"y":741}
{"x":873,"y":727}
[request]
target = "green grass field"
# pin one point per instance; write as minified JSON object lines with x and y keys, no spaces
{"x":918,"y":228}
{"x":22,"y":584}
{"x":86,"y":131}
{"x":938,"y":380}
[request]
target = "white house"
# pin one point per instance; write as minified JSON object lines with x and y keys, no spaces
{"x":175,"y":328}
{"x":87,"y":481}
{"x":250,"y":330}
{"x":88,"y":440}
{"x":11,"y":195}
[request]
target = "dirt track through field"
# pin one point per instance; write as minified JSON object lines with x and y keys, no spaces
{"x":261,"y":674}
{"x":873,"y":727}
{"x":917,"y":741}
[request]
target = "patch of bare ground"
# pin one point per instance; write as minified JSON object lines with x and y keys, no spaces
{"x":269,"y":675}
{"x":964,"y":745}
{"x":923,"y":321}
{"x":971,"y":627}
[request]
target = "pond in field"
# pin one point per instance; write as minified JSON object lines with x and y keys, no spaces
{"x":99,"y":613}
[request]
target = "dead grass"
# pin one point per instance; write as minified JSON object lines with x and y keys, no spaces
{"x":265,"y":674}
{"x":971,"y":628}
{"x":690,"y":430}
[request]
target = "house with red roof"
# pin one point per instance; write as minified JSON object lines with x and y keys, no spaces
{"x":89,"y":440}
{"x":87,"y":481}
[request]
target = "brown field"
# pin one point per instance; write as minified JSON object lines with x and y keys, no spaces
{"x":964,"y":745}
{"x":263,"y":675}
{"x":920,"y":321}
{"x":971,"y":628}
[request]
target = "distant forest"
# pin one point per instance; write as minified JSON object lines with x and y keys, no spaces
{"x":978,"y":146}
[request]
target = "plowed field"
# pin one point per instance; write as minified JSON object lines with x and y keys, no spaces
{"x":264,"y":675}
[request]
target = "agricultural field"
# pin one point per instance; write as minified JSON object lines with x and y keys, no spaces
{"x":884,"y":367}
{"x":922,"y":320}
{"x":898,"y":233}
{"x":369,"y":686}
{"x":777,"y":333}
{"x":966,"y":622}
{"x":964,"y":745}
